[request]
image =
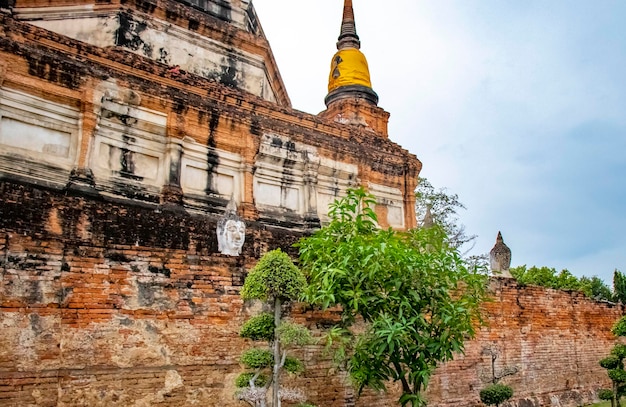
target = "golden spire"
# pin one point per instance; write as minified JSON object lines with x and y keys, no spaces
{"x":349,"y":73}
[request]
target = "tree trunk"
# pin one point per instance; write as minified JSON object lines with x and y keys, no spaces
{"x":615,"y":400}
{"x":276,"y":372}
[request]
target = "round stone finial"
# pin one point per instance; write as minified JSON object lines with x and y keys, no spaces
{"x":500,"y":258}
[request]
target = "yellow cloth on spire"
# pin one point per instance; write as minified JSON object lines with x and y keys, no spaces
{"x":348,"y":67}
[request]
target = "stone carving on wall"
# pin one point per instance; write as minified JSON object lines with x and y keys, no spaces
{"x":231,"y":231}
{"x":500,"y":258}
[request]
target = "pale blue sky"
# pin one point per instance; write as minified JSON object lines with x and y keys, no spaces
{"x":517,"y":106}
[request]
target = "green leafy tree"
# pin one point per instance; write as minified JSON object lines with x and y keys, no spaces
{"x":567,"y":281}
{"x":277,"y":281}
{"x":411,"y":294}
{"x":593,"y":287}
{"x":619,"y":287}
{"x":614,"y":364}
{"x":542,"y":276}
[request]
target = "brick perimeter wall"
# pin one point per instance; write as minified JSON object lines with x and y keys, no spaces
{"x":110,"y":304}
{"x":555,"y":339}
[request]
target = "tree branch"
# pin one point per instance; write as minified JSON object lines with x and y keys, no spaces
{"x":406,"y":388}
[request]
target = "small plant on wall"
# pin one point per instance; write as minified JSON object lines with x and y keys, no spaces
{"x":496,"y":393}
{"x":614,"y":364}
{"x":276,"y":281}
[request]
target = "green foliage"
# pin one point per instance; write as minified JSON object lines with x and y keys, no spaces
{"x":291,"y":334}
{"x":275,"y":280}
{"x":274,"y":276}
{"x":544,"y":276}
{"x":614,"y":363}
{"x":619,"y":287}
{"x":610,"y":362}
{"x":617,"y":375}
{"x":605,"y":394}
{"x":567,"y":281}
{"x":619,"y":329}
{"x":258,"y":328}
{"x":619,"y":350}
{"x":496,"y":394}
{"x":243,"y":380}
{"x":414,"y":291}
{"x":293,"y":365}
{"x":593,"y":287}
{"x":257,"y":358}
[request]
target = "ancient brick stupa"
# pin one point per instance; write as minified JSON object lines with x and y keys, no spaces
{"x":149,"y":155}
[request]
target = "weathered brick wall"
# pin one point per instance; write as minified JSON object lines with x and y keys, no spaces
{"x":555,"y":338}
{"x":105,"y":303}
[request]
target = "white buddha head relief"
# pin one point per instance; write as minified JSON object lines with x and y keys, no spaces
{"x":231,"y":232}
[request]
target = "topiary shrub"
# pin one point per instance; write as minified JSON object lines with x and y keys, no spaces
{"x":259,"y":328}
{"x":619,"y":351}
{"x":617,"y":375}
{"x":614,"y":364}
{"x":257,"y":358}
{"x":605,"y":394}
{"x":276,"y":281}
{"x":293,"y":365}
{"x":610,"y":362}
{"x":274,"y":277}
{"x":619,"y":329}
{"x":243,"y":380}
{"x":495,"y":394}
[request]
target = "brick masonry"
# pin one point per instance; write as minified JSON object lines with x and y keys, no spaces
{"x":112,"y":291}
{"x":106,"y":303}
{"x":555,"y":339}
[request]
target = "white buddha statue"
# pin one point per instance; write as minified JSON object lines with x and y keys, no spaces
{"x":231,"y":231}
